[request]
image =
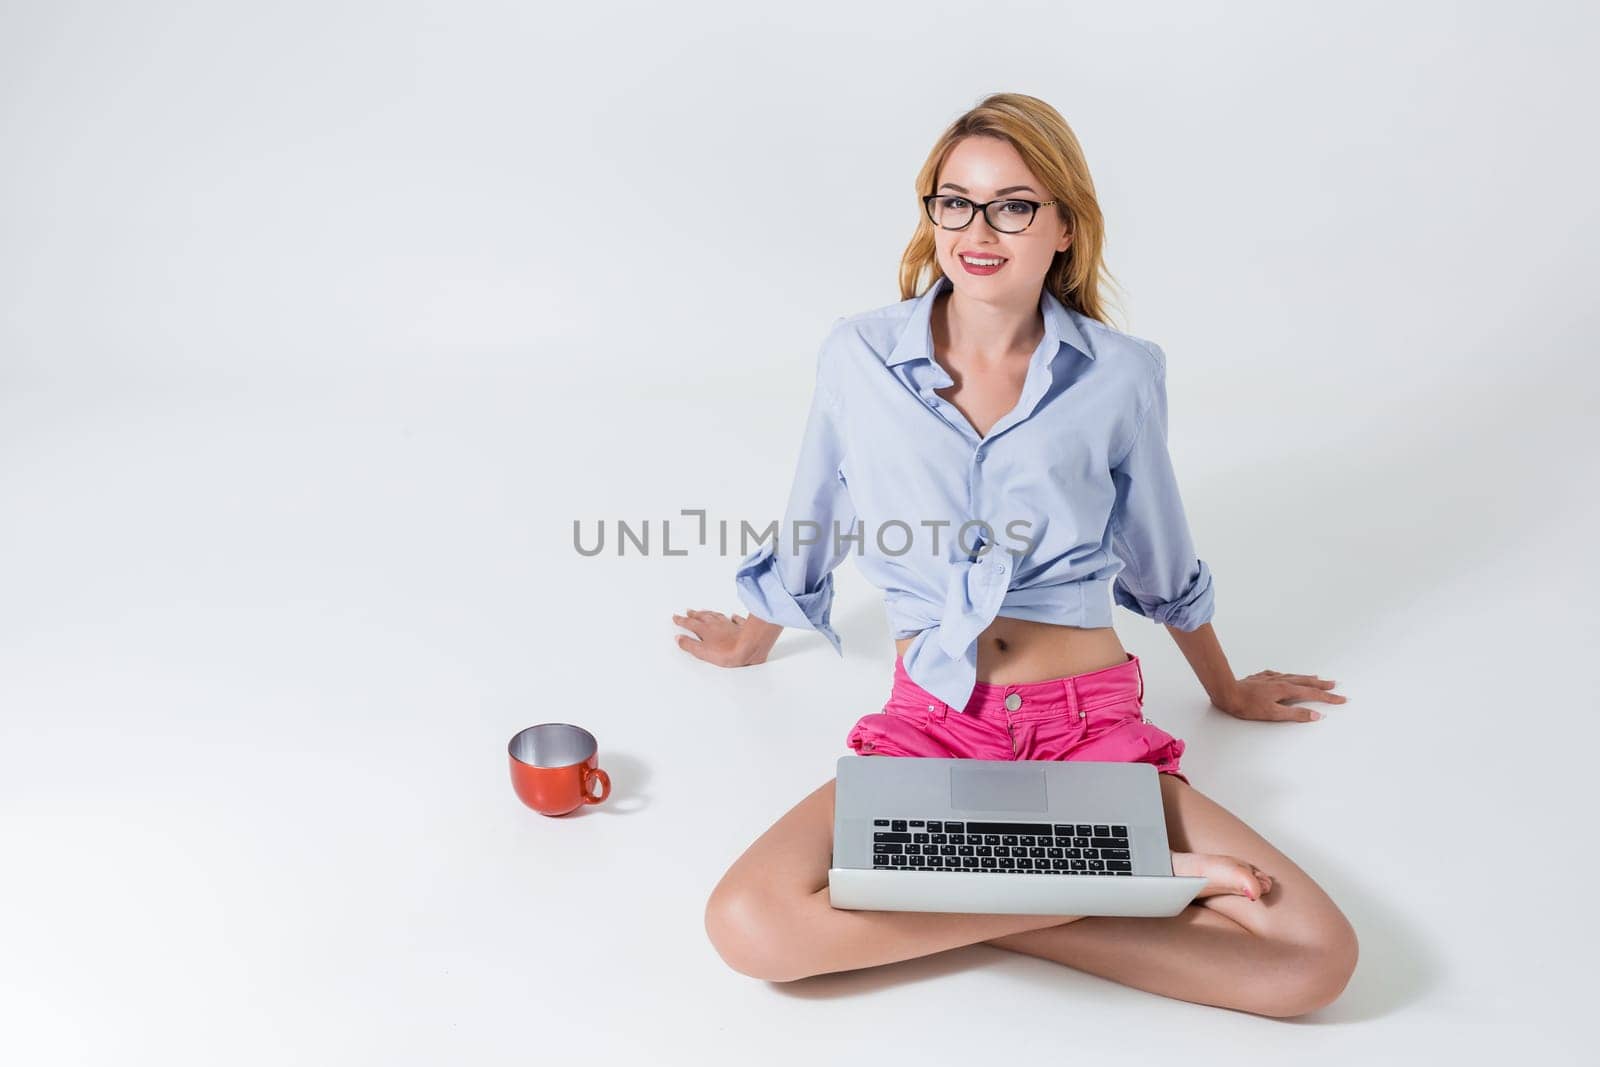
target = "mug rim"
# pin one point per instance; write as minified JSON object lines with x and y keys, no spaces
{"x":594,"y":745}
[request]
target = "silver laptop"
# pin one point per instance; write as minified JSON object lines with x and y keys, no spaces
{"x":1022,"y":837}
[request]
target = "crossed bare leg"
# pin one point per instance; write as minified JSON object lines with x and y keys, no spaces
{"x":1263,"y":937}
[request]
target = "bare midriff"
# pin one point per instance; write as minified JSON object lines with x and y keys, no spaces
{"x":1017,"y":651}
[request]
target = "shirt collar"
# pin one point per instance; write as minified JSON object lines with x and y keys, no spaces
{"x":916,"y":339}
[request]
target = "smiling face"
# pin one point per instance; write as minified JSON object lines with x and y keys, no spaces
{"x":980,"y":169}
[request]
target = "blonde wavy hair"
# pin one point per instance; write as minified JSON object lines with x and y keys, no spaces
{"x":1051,"y":151}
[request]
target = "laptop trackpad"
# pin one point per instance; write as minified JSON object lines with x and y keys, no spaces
{"x":1007,"y":788}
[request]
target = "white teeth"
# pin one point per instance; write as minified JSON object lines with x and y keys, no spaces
{"x":983,"y":262}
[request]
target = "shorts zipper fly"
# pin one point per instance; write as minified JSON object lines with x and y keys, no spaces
{"x":1012,"y":702}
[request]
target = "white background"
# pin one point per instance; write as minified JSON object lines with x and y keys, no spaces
{"x":320,"y":324}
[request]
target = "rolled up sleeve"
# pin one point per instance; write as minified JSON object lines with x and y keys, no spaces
{"x":1162,"y":577}
{"x":789,"y":580}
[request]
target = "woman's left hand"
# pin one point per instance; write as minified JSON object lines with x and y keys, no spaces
{"x":1266,"y":696}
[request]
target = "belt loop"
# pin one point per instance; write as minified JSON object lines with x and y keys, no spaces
{"x":1071,"y":686}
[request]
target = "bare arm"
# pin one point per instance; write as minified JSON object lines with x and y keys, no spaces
{"x":1204,"y":653}
{"x":1265,"y":695}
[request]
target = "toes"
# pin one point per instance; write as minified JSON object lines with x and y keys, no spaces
{"x":1224,"y":874}
{"x":1258,"y":883}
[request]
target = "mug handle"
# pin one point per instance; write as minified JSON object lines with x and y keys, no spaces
{"x":605,"y":785}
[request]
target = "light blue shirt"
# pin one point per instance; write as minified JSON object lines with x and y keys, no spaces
{"x":1075,"y":485}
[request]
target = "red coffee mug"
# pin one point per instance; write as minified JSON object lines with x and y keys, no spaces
{"x":554,"y":767}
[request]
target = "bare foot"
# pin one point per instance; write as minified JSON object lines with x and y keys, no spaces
{"x":1224,"y":875}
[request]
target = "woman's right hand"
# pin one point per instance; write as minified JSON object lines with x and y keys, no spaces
{"x":741,"y":641}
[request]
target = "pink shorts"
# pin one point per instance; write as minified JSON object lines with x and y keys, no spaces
{"x":1097,"y":715}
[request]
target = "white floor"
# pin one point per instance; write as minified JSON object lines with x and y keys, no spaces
{"x":263,"y":649}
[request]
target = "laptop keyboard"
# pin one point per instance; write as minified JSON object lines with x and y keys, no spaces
{"x":1016,"y":847}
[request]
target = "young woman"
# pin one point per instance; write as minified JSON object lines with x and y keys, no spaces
{"x":996,"y":456}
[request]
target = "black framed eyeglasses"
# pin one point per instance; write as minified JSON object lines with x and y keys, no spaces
{"x":952,"y":212}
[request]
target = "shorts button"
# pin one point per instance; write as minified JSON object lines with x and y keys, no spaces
{"x":1013,"y":702}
